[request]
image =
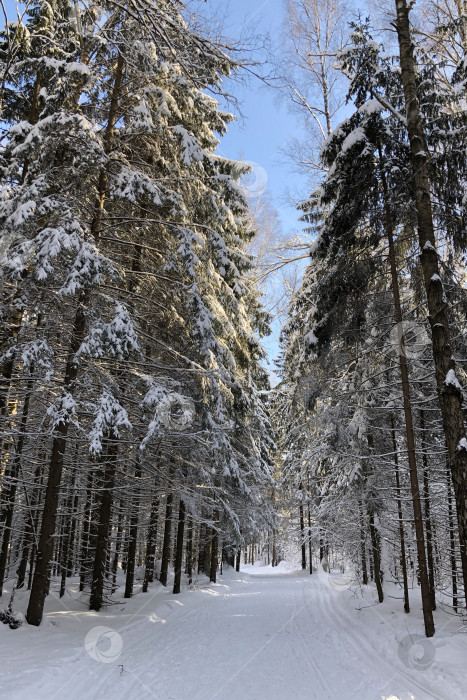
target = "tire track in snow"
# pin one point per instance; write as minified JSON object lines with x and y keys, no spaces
{"x":365,"y":649}
{"x":138,"y":633}
{"x":309,"y":659}
{"x":296,"y":611}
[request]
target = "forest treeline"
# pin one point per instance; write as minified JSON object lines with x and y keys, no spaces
{"x":371,"y":405}
{"x":138,"y":428}
{"x":134,"y":421}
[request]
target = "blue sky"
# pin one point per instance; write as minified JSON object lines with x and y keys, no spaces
{"x":266,"y":125}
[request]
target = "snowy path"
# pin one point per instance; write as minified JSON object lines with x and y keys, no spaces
{"x":249,"y":637}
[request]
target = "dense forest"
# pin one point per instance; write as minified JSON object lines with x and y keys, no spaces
{"x":142,"y":430}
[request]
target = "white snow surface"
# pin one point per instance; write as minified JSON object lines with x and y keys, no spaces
{"x":262,"y":634}
{"x":451,"y":379}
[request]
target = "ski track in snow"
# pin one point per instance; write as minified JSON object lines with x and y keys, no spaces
{"x":251,"y":636}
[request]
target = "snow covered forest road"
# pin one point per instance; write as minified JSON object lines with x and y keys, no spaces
{"x":252,"y":636}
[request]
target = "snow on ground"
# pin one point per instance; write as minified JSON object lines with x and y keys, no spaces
{"x":262,"y":634}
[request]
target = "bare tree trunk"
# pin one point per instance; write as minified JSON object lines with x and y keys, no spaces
{"x":66,"y":535}
{"x":201,"y":549}
{"x":449,"y":391}
{"x":85,"y":565}
{"x":30,"y":532}
{"x":238,"y":560}
{"x":376,"y":549}
{"x":428,"y":525}
{"x":167,"y":536}
{"x":118,"y":544}
{"x":362,"y":545}
{"x":408,"y":416}
{"x":103,"y":527}
{"x":133,"y":532}
{"x":49,"y":516}
{"x":214,"y":548}
{"x":151,"y":544}
{"x":302,"y":528}
{"x":309,"y":540}
{"x":179,"y":548}
{"x":452,"y":544}
{"x":189,"y":551}
{"x":8,"y":511}
{"x":403,"y":558}
{"x":207,"y":551}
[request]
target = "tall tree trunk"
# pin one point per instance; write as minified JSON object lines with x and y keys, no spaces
{"x":408,"y":416}
{"x":214,"y":548}
{"x":376,"y":549}
{"x":30,"y":530}
{"x":189,"y":551}
{"x":403,"y":558}
{"x":238,"y":560}
{"x":151,"y":543}
{"x":10,"y":498}
{"x":310,"y":551}
{"x":207,"y":550}
{"x":201,"y":539}
{"x":133,"y":538}
{"x":118,"y":545}
{"x":167,"y":536}
{"x":86,"y":562}
{"x":105,"y":499}
{"x":452,"y":544}
{"x":179,"y":548}
{"x":302,"y":529}
{"x":66,"y":536}
{"x":49,"y":515}
{"x":362,"y":545}
{"x":71,"y":547}
{"x":428,"y":524}
{"x":449,"y":391}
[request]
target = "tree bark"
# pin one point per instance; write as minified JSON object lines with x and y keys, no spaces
{"x":179,"y":548}
{"x":362,"y":546}
{"x":214,"y":548}
{"x":66,"y":535}
{"x":310,"y":550}
{"x":201,"y":539}
{"x":85,"y":564}
{"x":166,"y":543}
{"x":449,"y":393}
{"x":403,"y":558}
{"x":428,"y":523}
{"x":189,"y":551}
{"x":302,"y":529}
{"x":376,"y":548}
{"x":133,"y":539}
{"x":10,"y":498}
{"x":103,"y":527}
{"x":408,"y":415}
{"x":49,"y":516}
{"x":452,"y":543}
{"x":151,"y":544}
